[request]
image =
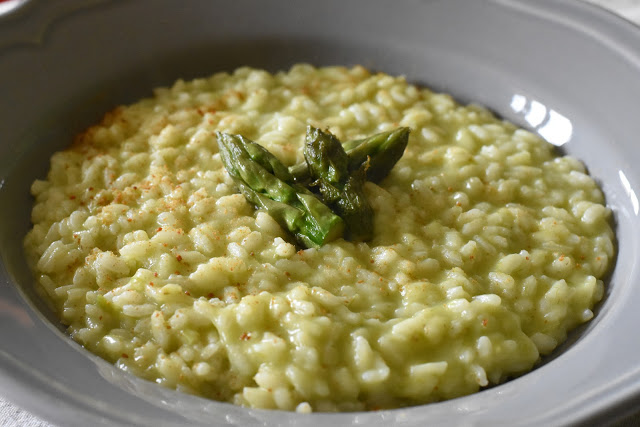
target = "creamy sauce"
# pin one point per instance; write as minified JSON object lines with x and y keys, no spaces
{"x":488,"y":247}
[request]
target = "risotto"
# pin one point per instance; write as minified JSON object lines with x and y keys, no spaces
{"x":487,"y":247}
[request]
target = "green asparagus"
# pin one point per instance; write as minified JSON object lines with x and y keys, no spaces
{"x":325,"y":157}
{"x":338,"y":175}
{"x":383,"y":151}
{"x":262,"y":179}
{"x":251,"y":171}
{"x":343,"y":191}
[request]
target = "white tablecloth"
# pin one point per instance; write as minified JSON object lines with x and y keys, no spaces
{"x":13,"y":416}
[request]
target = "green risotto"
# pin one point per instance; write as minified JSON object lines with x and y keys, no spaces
{"x":486,"y":247}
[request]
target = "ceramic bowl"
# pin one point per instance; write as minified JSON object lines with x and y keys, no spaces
{"x":564,"y":69}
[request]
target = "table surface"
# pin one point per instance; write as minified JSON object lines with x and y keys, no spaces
{"x":13,"y":416}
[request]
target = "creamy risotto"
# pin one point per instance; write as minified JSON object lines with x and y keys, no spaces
{"x":487,"y":247}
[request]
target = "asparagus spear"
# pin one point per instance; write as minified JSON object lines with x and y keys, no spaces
{"x":325,"y":157}
{"x":320,"y":225}
{"x":267,"y":160}
{"x":256,"y":171}
{"x":261,"y":178}
{"x":383,"y":151}
{"x":343,"y":191}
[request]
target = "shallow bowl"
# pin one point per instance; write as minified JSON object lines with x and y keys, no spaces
{"x":564,"y":69}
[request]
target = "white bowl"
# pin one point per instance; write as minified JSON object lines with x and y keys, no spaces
{"x":564,"y":69}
